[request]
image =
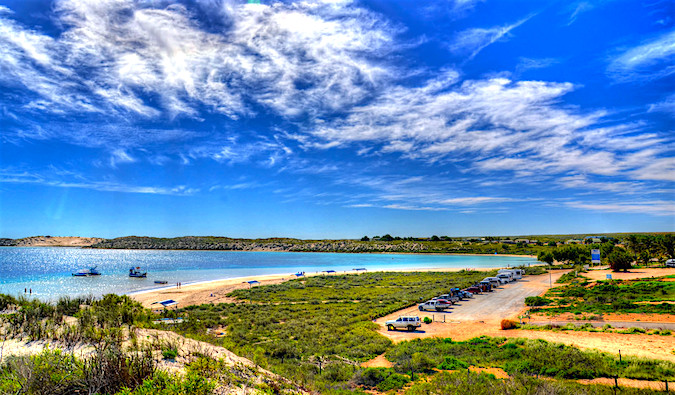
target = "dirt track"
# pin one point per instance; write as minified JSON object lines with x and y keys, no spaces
{"x":505,"y":302}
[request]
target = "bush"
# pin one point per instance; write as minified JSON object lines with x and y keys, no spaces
{"x":537,"y":301}
{"x":170,"y":353}
{"x":394,"y":381}
{"x":509,"y":324}
{"x":452,"y":363}
{"x":619,"y":260}
{"x":427,"y":320}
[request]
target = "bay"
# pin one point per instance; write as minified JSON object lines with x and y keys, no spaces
{"x":47,"y":271}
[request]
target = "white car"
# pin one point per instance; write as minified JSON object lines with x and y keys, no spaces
{"x":505,"y":277}
{"x":434,"y":305}
{"x":408,"y":323}
{"x":670,"y":263}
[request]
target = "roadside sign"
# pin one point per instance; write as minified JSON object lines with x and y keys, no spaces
{"x":595,"y":256}
{"x":609,"y":276}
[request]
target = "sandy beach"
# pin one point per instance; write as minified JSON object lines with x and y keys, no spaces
{"x":216,"y":291}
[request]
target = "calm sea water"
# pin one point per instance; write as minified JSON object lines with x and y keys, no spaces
{"x":47,"y":271}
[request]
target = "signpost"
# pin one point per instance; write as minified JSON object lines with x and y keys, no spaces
{"x":595,"y":256}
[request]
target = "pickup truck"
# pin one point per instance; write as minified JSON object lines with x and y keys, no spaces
{"x":431,"y":305}
{"x":408,"y":323}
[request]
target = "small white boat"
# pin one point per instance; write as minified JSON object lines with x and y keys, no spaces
{"x":136,"y":272}
{"x":87,"y":272}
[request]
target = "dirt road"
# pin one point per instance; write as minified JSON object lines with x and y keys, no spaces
{"x":505,"y":302}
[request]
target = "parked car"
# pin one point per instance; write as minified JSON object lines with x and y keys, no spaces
{"x":410,"y":323}
{"x":670,"y":263}
{"x":507,"y":278}
{"x":434,"y":305}
{"x":486,"y":286}
{"x":494,"y":280}
{"x":510,"y":273}
{"x":448,"y":297}
{"x":474,"y":290}
{"x":466,"y":294}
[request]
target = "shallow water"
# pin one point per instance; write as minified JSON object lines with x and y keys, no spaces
{"x":47,"y":270}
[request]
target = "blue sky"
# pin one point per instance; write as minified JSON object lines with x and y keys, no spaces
{"x":336,"y":119}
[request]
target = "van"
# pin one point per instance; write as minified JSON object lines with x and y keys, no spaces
{"x":508,"y":277}
{"x":494,"y":280}
{"x":516,"y":274}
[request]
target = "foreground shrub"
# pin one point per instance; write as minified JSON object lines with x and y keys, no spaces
{"x":509,"y":324}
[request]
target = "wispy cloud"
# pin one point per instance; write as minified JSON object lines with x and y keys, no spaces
{"x":67,"y":179}
{"x":470,"y":42}
{"x":651,"y":207}
{"x":578,"y":9}
{"x":650,"y":60}
{"x":292,"y":58}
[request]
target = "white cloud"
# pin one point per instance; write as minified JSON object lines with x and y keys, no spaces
{"x":651,"y":60}
{"x":147,"y":61}
{"x":67,"y":179}
{"x":651,"y":207}
{"x":470,"y":42}
{"x":497,"y":125}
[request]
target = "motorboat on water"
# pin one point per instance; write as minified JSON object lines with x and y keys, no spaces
{"x":136,"y":272}
{"x":92,"y":271}
{"x":161,"y":282}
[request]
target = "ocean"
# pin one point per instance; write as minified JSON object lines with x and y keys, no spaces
{"x":47,"y":270}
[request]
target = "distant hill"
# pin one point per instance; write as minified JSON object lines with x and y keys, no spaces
{"x":49,"y":241}
{"x":281,"y":244}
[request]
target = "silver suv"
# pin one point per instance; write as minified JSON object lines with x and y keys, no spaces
{"x":409,"y":323}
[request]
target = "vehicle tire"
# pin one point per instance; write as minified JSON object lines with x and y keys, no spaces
{"x":411,"y":328}
{"x":390,"y":327}
{"x":421,"y":308}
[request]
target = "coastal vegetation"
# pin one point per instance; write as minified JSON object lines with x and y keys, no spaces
{"x":115,"y":356}
{"x":522,"y":356}
{"x":316,"y":330}
{"x":581,"y":295}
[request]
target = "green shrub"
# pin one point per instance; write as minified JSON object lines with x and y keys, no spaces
{"x":169,"y":353}
{"x":452,"y":363}
{"x":394,"y":381}
{"x":537,"y":301}
{"x":427,"y":320}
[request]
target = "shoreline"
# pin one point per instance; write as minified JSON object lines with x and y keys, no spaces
{"x":215,"y":291}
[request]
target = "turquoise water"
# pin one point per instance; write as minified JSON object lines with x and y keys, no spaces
{"x":47,"y":271}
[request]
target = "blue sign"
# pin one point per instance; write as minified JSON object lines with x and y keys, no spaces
{"x":595,"y":256}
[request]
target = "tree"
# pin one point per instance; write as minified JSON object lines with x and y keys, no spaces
{"x":386,"y":237}
{"x":619,"y":260}
{"x":435,"y":238}
{"x":365,"y":238}
{"x":667,"y":245}
{"x":545,"y":256}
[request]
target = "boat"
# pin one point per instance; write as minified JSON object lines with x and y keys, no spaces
{"x":136,"y":272}
{"x":92,"y":271}
{"x":161,"y":282}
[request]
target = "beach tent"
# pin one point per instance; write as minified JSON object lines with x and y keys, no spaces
{"x":301,"y":274}
{"x":329,"y":271}
{"x":359,"y":269}
{"x":167,"y":303}
{"x":252,"y":282}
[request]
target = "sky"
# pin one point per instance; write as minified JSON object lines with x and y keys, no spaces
{"x":336,"y":119}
